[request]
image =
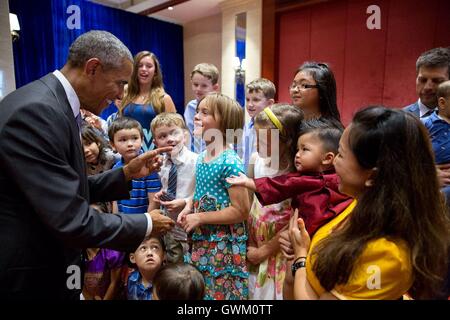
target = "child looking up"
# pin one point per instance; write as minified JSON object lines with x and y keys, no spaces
{"x":148,"y":258}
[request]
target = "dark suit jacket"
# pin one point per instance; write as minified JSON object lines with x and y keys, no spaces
{"x":45,"y":216}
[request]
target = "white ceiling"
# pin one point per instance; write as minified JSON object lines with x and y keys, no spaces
{"x":182,"y":13}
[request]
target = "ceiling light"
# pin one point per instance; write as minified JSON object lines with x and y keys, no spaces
{"x":170,"y":8}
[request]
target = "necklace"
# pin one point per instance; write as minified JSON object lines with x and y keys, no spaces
{"x":144,"y":97}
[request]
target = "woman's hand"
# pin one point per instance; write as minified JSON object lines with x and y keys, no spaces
{"x":300,"y":239}
{"x":285,"y":245}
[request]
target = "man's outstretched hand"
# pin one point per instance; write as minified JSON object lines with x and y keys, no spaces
{"x":145,"y":164}
{"x":161,"y":223}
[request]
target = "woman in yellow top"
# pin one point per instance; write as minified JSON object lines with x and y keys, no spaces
{"x":394,"y":237}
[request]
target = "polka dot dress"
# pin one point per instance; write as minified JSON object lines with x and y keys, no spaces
{"x":219,"y":251}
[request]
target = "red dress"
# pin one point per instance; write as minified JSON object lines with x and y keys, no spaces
{"x":315,"y":195}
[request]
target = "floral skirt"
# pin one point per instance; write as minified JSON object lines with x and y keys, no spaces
{"x":221,"y":258}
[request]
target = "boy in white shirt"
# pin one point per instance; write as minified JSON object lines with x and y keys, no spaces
{"x":260,"y":93}
{"x":178,"y":183}
{"x":204,"y":80}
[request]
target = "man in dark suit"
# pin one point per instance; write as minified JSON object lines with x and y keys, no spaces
{"x":45,"y":218}
{"x":433,"y":68}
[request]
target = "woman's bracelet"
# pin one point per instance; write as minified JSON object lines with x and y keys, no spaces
{"x":298,"y":259}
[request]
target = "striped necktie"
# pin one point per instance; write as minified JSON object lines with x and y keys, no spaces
{"x":172,"y":184}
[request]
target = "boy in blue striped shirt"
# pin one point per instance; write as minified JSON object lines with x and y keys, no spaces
{"x":125,"y":135}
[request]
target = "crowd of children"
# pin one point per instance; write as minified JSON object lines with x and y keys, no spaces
{"x":232,"y":196}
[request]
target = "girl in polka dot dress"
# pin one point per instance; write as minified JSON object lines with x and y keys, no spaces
{"x":220,"y":210}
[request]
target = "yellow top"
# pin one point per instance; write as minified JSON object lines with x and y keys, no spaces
{"x":382,"y":271}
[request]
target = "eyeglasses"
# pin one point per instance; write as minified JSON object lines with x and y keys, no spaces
{"x":302,"y":86}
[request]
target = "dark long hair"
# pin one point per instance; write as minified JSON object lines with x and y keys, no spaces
{"x":404,"y":202}
{"x":324,"y":78}
{"x":90,"y":135}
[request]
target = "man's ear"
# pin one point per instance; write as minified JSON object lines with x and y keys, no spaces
{"x":132,"y":258}
{"x":328,"y":159}
{"x":270,"y":102}
{"x":112,"y":146}
{"x":91,"y":66}
{"x":216,"y":87}
{"x":370,"y":180}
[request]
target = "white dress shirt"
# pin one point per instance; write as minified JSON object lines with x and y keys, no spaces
{"x":423,"y":109}
{"x":185,"y":161}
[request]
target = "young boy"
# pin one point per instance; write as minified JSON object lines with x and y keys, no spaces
{"x":148,"y":259}
{"x":204,"y":79}
{"x":314,"y":187}
{"x":178,"y":282}
{"x":260,"y":93}
{"x":125,"y":135}
{"x":438,"y":125}
{"x":177,"y":178}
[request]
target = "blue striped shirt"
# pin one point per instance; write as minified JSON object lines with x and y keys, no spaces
{"x":138,"y":202}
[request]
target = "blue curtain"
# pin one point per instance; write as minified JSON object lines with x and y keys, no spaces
{"x":240,"y":83}
{"x":45,"y":39}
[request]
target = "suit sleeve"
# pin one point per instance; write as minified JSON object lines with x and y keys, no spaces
{"x":36,"y":148}
{"x":109,"y":186}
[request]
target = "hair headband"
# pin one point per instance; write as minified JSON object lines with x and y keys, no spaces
{"x":273,"y":118}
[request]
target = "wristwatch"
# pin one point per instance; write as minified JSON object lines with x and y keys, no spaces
{"x":297,"y":265}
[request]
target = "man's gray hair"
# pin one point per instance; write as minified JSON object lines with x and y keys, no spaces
{"x":435,"y":58}
{"x":98,"y":44}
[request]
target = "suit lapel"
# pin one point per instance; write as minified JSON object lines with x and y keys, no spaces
{"x":58,"y":90}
